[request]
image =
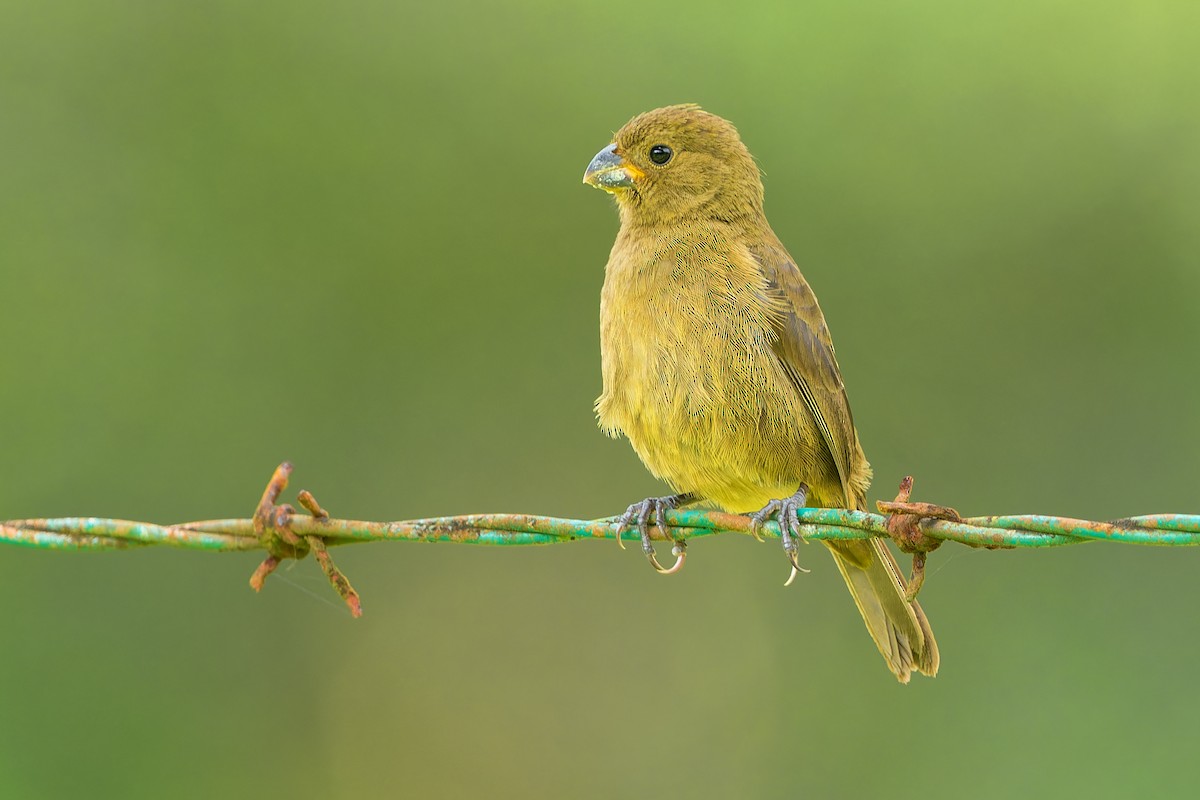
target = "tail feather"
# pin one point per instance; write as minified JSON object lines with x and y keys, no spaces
{"x":899,"y":628}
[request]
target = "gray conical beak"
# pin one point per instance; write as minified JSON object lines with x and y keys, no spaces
{"x":610,"y":172}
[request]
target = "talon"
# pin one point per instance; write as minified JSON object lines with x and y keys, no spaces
{"x":792,"y":576}
{"x":762,"y":515}
{"x":787,"y":512}
{"x":796,"y":568}
{"x":680,"y":553}
{"x":653,"y":559}
{"x":659,"y":506}
{"x":624,"y":521}
{"x":790,"y":550}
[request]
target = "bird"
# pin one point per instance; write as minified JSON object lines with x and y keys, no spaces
{"x":717,"y":363}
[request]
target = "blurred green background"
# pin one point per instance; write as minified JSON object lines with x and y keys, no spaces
{"x":354,"y":235}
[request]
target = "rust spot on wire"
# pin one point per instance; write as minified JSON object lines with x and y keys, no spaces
{"x":273,"y":525}
{"x":904,"y":527}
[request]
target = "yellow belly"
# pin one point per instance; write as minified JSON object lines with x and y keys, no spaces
{"x":733,"y":461}
{"x":691,"y":378}
{"x":713,"y":412}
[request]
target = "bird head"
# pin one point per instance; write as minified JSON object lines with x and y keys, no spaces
{"x":678,"y":163}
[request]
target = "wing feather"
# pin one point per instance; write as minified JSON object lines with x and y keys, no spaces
{"x":805,"y":350}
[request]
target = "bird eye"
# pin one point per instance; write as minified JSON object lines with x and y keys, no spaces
{"x":660,"y":154}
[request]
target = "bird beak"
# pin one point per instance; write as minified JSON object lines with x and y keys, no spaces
{"x":610,"y":172}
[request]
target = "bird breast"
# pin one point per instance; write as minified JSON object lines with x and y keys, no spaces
{"x":690,"y":377}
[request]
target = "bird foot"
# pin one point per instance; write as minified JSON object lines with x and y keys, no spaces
{"x":638,"y":515}
{"x":784,"y":511}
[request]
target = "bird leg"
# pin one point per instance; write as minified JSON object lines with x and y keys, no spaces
{"x":789,"y":523}
{"x":639,"y":514}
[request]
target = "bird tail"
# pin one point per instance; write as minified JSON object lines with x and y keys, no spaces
{"x":899,"y":628}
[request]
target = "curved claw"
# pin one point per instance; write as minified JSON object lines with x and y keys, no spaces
{"x":679,"y":550}
{"x":762,"y":515}
{"x":789,"y":521}
{"x":638,"y":515}
{"x":787,"y":512}
{"x":796,"y":568}
{"x":680,"y":553}
{"x":624,"y":521}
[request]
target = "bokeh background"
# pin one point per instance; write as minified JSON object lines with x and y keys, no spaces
{"x":353,"y":235}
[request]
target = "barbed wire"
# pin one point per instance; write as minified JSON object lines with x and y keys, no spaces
{"x":283,"y":532}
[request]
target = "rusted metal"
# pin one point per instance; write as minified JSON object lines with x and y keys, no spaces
{"x":268,"y":565}
{"x":310,"y":504}
{"x":273,"y":524}
{"x":336,"y":578}
{"x":904,"y":527}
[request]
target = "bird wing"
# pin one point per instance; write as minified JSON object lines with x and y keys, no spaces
{"x":805,"y":350}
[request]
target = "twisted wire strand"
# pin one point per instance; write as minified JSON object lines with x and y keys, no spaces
{"x":283,"y":532}
{"x":996,"y":532}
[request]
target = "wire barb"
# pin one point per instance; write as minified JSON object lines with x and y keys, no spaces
{"x":273,"y":526}
{"x":904,"y":528}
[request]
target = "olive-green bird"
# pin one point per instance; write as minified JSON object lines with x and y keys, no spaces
{"x":718,"y":365}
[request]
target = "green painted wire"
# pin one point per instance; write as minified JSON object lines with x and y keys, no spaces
{"x":1023,"y":531}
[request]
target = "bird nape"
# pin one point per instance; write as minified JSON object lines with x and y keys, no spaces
{"x":718,"y":365}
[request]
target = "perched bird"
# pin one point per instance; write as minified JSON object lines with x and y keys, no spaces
{"x":718,"y":366}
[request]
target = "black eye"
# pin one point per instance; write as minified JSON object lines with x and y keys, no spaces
{"x":660,"y":154}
